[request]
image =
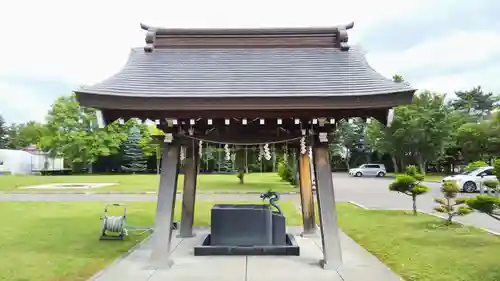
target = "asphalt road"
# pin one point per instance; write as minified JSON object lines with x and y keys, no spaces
{"x":369,"y":192}
{"x":374,"y":193}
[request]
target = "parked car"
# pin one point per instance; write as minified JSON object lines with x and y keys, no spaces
{"x":377,"y":170}
{"x":470,"y":181}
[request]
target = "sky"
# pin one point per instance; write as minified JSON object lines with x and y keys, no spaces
{"x":49,"y":48}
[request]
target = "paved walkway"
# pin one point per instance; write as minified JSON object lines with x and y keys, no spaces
{"x":68,"y":197}
{"x":359,"y":265}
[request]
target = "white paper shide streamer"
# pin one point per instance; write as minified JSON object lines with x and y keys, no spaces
{"x":200,"y":149}
{"x":267,"y":152}
{"x":323,"y":137}
{"x":285,"y":155}
{"x":227,"y":151}
{"x":303,"y":148}
{"x":183,"y":154}
{"x":169,"y":137}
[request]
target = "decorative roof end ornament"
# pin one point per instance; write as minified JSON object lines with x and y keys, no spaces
{"x":150,"y":38}
{"x":342,"y":37}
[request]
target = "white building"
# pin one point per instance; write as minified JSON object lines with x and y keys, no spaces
{"x":28,"y":161}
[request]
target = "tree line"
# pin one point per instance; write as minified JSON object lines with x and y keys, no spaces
{"x":71,"y":131}
{"x":433,"y":133}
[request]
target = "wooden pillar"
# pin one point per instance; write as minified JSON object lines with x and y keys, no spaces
{"x":295,"y":170}
{"x":332,"y":254}
{"x":162,"y":235}
{"x":306,"y":194}
{"x":189,"y":191}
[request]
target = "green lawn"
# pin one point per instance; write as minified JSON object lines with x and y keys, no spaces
{"x":148,"y":183}
{"x":421,"y":248}
{"x":49,"y":241}
{"x":428,"y":177}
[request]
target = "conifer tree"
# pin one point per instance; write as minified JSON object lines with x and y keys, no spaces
{"x":134,"y":159}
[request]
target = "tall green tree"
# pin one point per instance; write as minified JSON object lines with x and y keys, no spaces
{"x":24,"y":135}
{"x":72,"y":132}
{"x":349,"y":140}
{"x":134,"y":159}
{"x":427,"y":128}
{"x":420,"y":131}
{"x":453,"y":155}
{"x":150,"y":146}
{"x":474,"y":102}
{"x":3,"y":133}
{"x":473,"y":139}
{"x":382,"y":140}
{"x":480,"y":140}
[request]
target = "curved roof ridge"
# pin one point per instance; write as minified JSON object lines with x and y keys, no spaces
{"x":246,"y":31}
{"x":158,"y":37}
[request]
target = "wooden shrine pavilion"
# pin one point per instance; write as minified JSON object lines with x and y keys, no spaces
{"x":252,"y":87}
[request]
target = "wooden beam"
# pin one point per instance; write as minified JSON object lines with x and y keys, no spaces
{"x":189,"y":191}
{"x":162,"y":236}
{"x":377,"y":113}
{"x":332,"y":254}
{"x":213,"y":106}
{"x":238,"y":139}
{"x":306,"y":195}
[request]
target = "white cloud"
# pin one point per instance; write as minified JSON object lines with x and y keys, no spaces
{"x":86,"y":41}
{"x":457,"y":51}
{"x":465,"y":80}
{"x":20,"y":104}
{"x":83,"y":42}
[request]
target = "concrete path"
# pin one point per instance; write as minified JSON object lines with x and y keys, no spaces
{"x":68,"y":197}
{"x":359,"y":265}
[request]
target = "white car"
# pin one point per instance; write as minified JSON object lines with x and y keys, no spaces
{"x":377,"y":170}
{"x":471,"y":181}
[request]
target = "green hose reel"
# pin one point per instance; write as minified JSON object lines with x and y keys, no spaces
{"x":113,"y":227}
{"x":116,"y":227}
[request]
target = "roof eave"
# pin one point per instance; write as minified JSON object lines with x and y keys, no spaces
{"x":128,"y":102}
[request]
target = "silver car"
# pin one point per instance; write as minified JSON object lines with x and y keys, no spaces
{"x":377,"y":170}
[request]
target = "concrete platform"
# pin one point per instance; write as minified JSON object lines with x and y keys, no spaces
{"x":359,"y":265}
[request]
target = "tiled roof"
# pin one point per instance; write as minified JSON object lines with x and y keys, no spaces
{"x":246,"y":72}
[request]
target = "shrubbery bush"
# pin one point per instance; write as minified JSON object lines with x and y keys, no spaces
{"x":286,"y":173}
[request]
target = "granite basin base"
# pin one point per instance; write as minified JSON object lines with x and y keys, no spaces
{"x":206,"y":249}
